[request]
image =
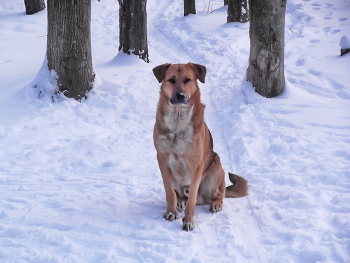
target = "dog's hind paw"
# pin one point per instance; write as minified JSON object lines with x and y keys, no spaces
{"x":170,"y":216}
{"x":188,"y":226}
{"x":214,"y":208}
{"x":181,"y":205}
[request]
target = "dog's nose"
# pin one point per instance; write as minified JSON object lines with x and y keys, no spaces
{"x":179,"y":98}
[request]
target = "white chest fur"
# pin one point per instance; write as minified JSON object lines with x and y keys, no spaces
{"x":179,"y":169}
{"x":178,"y":141}
{"x":178,"y":121}
{"x":178,"y":118}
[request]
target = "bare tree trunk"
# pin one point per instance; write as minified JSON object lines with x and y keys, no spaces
{"x":344,"y":51}
{"x":69,"y":46}
{"x":34,"y":6}
{"x":237,"y":11}
{"x":344,"y":45}
{"x":189,"y":7}
{"x":266,"y":59}
{"x":133,"y":28}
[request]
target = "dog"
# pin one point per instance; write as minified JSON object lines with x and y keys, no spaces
{"x":191,"y":171}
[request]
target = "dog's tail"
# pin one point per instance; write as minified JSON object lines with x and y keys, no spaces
{"x":239,"y":187}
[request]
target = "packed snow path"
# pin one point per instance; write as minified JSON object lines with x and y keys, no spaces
{"x":79,"y":182}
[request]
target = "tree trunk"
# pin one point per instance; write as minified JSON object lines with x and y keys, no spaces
{"x":344,"y":51}
{"x":34,"y":6}
{"x":266,"y":59}
{"x":69,"y":46}
{"x":344,"y":45}
{"x":225,"y":2}
{"x":189,"y":7}
{"x":237,"y":11}
{"x":133,"y":28}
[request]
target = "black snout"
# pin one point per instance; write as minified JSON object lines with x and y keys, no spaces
{"x":179,"y":98}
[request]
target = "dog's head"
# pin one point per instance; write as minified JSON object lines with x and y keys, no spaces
{"x":179,"y":81}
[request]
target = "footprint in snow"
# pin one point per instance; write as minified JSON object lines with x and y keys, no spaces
{"x":314,"y":41}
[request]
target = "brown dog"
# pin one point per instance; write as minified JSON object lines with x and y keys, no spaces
{"x":191,"y":170}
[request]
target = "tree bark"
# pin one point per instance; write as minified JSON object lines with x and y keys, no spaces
{"x":225,"y":2}
{"x":266,"y":59}
{"x":133,"y":28}
{"x":189,"y":7}
{"x":344,"y":51}
{"x":34,"y":6}
{"x":69,"y":46}
{"x":237,"y":11}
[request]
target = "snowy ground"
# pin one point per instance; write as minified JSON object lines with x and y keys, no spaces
{"x":79,"y":182}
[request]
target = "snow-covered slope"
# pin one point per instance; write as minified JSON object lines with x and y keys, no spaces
{"x":79,"y":182}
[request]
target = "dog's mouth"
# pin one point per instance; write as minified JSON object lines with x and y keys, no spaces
{"x":179,"y":98}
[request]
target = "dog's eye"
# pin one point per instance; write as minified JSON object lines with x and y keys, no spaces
{"x":187,"y":80}
{"x":171,"y":80}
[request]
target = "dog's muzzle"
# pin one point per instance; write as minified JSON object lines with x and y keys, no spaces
{"x":179,"y":98}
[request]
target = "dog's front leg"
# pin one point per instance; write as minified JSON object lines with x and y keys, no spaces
{"x":171,"y":199}
{"x":188,"y":221}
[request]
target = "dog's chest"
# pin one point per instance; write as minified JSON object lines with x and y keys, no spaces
{"x":178,"y":119}
{"x":179,"y":169}
{"x":177,"y":144}
{"x":180,"y":135}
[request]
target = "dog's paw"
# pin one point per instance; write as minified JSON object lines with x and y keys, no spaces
{"x":188,"y":226}
{"x":214,"y":208}
{"x":181,"y":205}
{"x":170,"y":216}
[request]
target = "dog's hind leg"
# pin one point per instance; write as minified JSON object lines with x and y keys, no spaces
{"x":216,"y":205}
{"x":181,"y":204}
{"x":182,"y":199}
{"x":213,"y":186}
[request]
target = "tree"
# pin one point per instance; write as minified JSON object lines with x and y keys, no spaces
{"x":266,"y":59}
{"x":344,"y":45}
{"x":133,"y":28}
{"x":69,"y":46}
{"x":34,"y":6}
{"x":225,"y":2}
{"x":189,"y":7}
{"x":237,"y":11}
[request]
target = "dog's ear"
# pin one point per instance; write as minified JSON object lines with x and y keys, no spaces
{"x":199,"y":70}
{"x":159,"y":71}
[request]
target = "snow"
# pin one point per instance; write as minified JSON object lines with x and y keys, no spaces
{"x":344,"y":42}
{"x":79,"y":182}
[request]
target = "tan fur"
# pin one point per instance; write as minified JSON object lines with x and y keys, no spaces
{"x":191,"y":170}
